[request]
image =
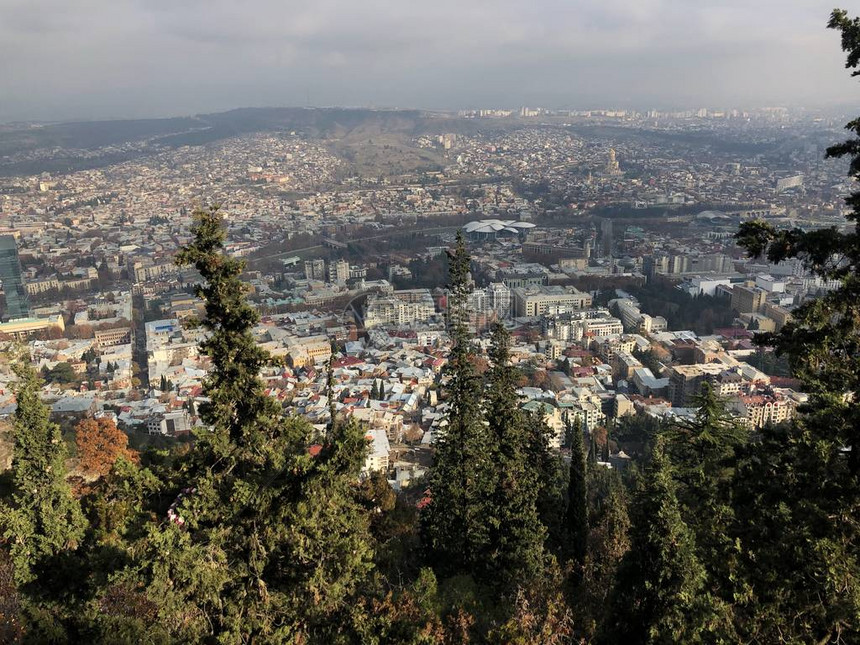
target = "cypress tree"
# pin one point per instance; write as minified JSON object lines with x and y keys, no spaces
{"x":551,"y":482}
{"x":454,"y":523}
{"x":576,"y":517}
{"x":608,"y":542}
{"x":517,"y":535}
{"x":657,"y":597}
{"x":43,"y":519}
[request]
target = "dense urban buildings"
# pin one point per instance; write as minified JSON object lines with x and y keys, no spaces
{"x":601,"y":242}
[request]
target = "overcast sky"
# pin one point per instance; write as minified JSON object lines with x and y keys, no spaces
{"x":83,"y":59}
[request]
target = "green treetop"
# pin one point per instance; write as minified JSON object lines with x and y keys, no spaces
{"x":43,"y":519}
{"x":517,"y":535}
{"x":455,"y":530}
{"x":822,"y":341}
{"x":798,"y":489}
{"x":267,"y":541}
{"x":657,"y":598}
{"x":576,"y":517}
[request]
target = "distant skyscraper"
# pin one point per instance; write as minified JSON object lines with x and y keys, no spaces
{"x":606,"y":238}
{"x":338,"y":271}
{"x":315,"y":269}
{"x":17,"y":305}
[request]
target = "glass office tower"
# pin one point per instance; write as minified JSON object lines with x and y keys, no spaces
{"x":17,"y":305}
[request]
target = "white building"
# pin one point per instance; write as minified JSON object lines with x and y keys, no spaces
{"x":400,"y":308}
{"x":539,"y":301}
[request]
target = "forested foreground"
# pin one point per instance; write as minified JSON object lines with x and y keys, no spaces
{"x":263,"y":531}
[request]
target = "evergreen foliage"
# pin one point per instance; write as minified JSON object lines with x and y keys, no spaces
{"x":799,"y":487}
{"x":265,"y":541}
{"x":703,"y":452}
{"x":658,"y":593}
{"x":551,"y":480}
{"x":43,"y":519}
{"x":454,"y":523}
{"x":263,"y":531}
{"x":608,"y":542}
{"x":517,"y":535}
{"x":576,"y":518}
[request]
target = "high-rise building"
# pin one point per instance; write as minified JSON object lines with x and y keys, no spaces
{"x":315,"y":269}
{"x":606,"y":238}
{"x":338,"y":271}
{"x":747,"y":299}
{"x":17,"y":305}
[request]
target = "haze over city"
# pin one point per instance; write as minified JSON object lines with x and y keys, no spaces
{"x":441,"y":323}
{"x":104,"y":59}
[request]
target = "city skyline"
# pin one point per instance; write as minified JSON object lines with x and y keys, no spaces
{"x":159,"y":59}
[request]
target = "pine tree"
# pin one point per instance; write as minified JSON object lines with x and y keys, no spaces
{"x":658,"y":594}
{"x":576,"y":517}
{"x":703,"y":453}
{"x":455,"y":530}
{"x":374,"y":391}
{"x":266,"y":542}
{"x":798,"y":490}
{"x":43,"y":519}
{"x":517,"y":535}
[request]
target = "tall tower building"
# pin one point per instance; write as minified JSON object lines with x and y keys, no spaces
{"x":338,"y":271}
{"x":606,"y":241}
{"x":315,"y":269}
{"x":17,"y":305}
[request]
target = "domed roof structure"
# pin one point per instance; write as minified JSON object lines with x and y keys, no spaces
{"x":492,"y":227}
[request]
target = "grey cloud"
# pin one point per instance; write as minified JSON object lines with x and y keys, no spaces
{"x":97,"y":58}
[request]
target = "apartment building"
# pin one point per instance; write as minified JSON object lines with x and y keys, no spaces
{"x":747,"y":300}
{"x":539,"y":301}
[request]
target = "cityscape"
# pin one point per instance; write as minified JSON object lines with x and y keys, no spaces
{"x":500,"y":374}
{"x":567,"y":218}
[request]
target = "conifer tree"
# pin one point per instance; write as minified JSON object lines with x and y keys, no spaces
{"x":798,"y":489}
{"x":43,"y":519}
{"x":658,"y":593}
{"x":552,"y":481}
{"x":517,"y":535}
{"x":455,"y":530}
{"x":822,"y":341}
{"x":576,"y":517}
{"x":703,"y":453}
{"x":266,"y":542}
{"x":608,"y":542}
